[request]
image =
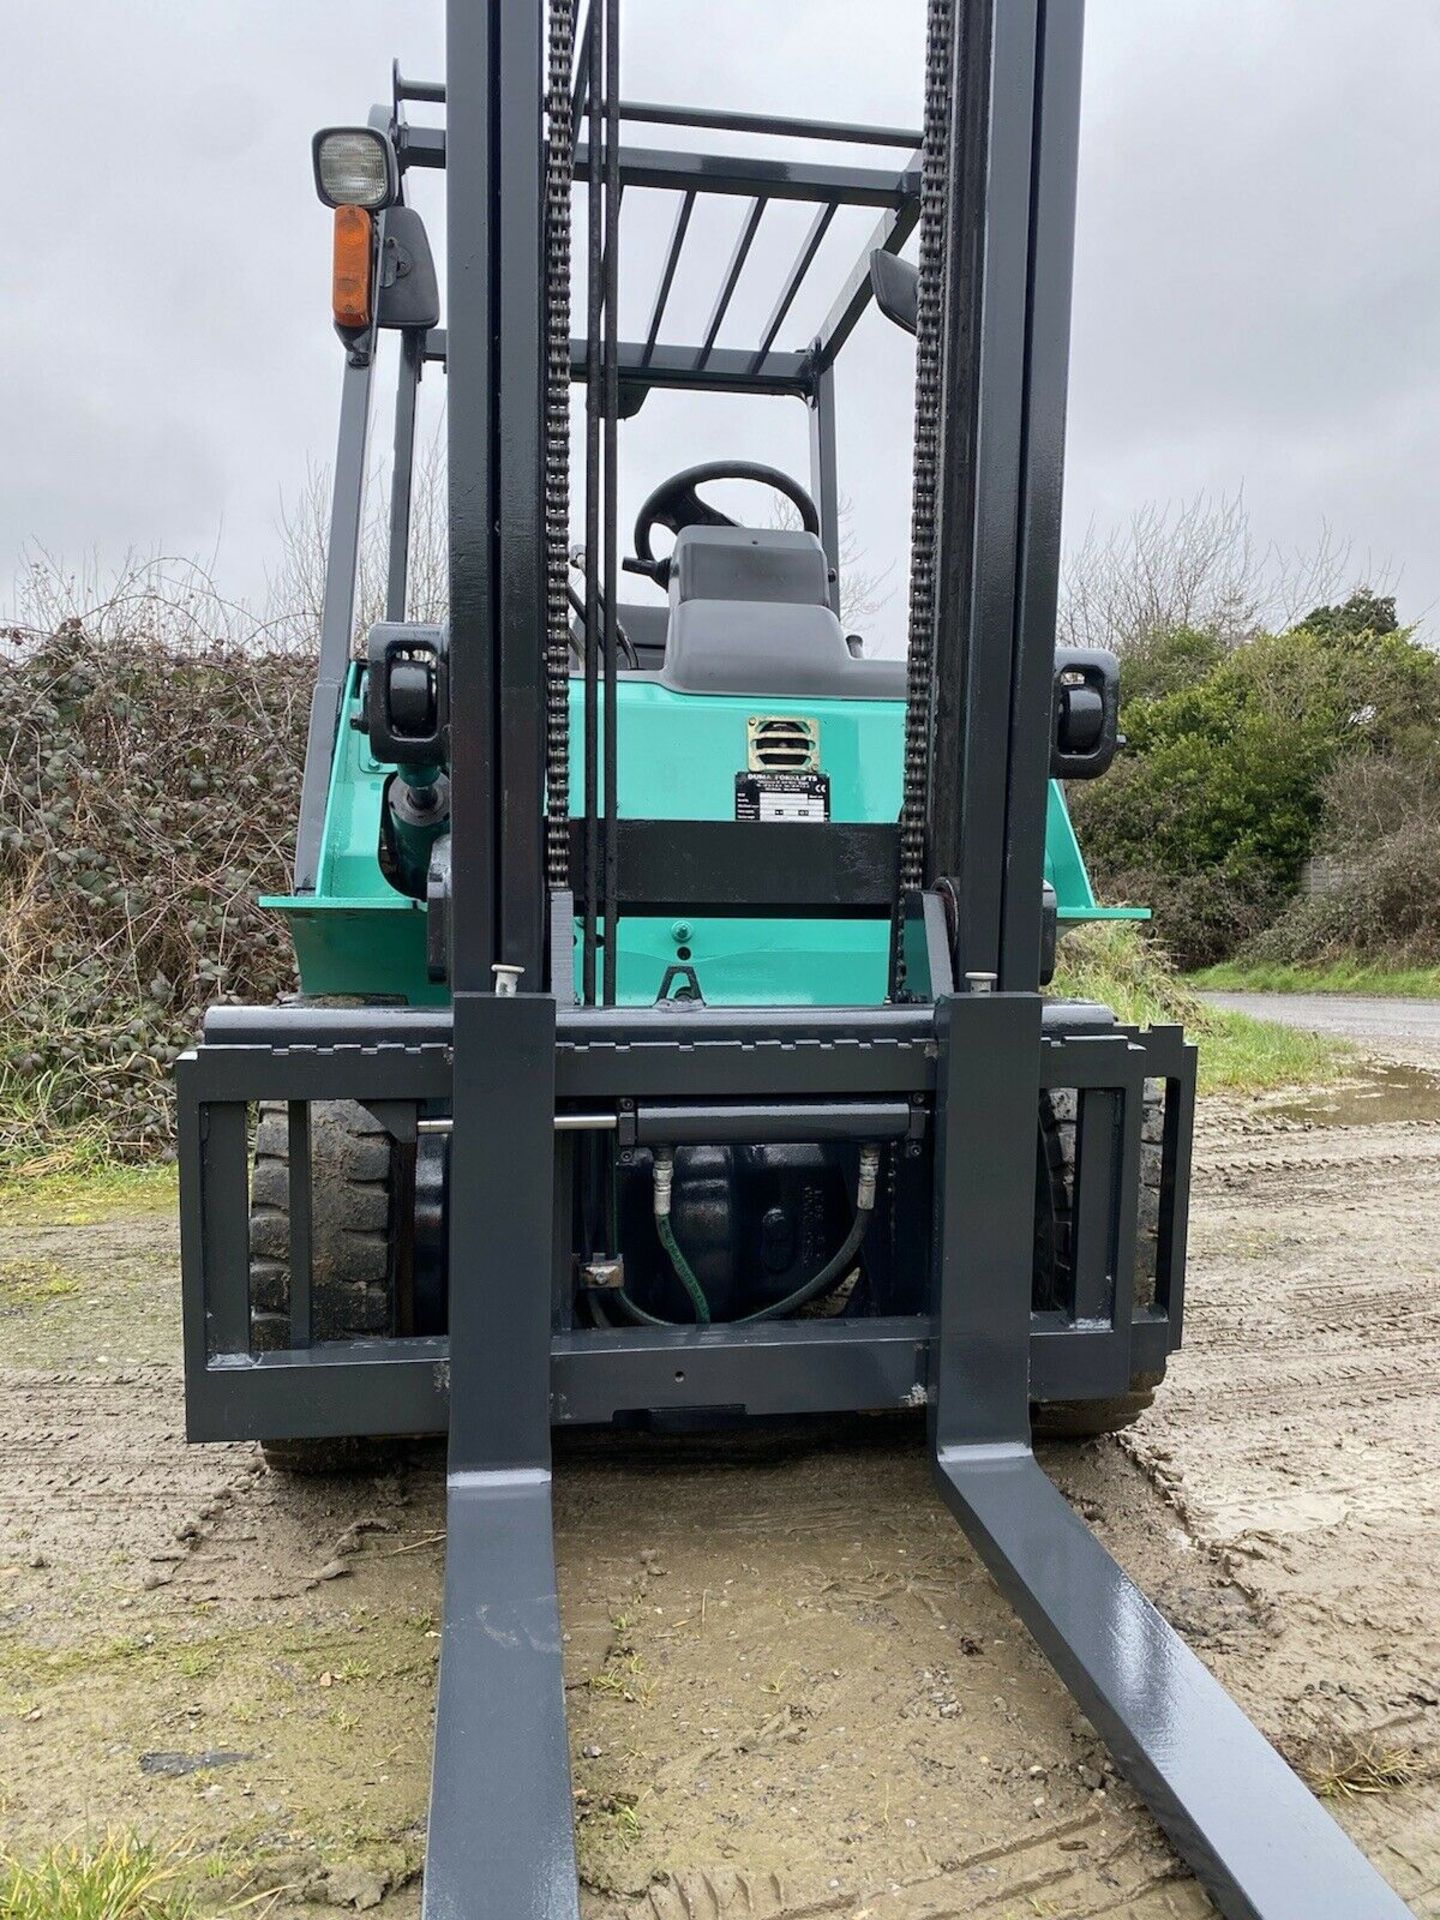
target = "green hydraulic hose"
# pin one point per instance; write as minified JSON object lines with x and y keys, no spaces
{"x":684,"y":1270}
{"x":685,"y":1273}
{"x":833,"y":1271}
{"x":631,"y":1309}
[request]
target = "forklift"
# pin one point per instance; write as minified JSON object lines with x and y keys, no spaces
{"x":674,"y":1048}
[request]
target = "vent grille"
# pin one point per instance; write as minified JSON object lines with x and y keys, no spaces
{"x":783,"y":744}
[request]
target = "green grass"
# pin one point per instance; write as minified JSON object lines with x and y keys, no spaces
{"x":26,"y":1283}
{"x":1241,"y":1055}
{"x":1335,"y":976}
{"x":65,"y":1187}
{"x":119,"y":1878}
{"x":1123,"y":968}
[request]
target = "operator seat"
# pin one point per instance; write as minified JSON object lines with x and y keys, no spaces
{"x":750,"y":613}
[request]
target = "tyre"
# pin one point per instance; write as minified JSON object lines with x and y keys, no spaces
{"x":361,"y":1199}
{"x":1084,"y":1419}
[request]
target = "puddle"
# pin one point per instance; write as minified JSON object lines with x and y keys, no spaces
{"x":1385,"y":1096}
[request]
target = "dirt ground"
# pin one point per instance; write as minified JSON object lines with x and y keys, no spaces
{"x":793,"y":1691}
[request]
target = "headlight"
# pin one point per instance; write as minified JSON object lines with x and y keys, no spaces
{"x":355,"y":167}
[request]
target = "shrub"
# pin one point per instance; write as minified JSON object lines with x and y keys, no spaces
{"x":1381,"y":828}
{"x":149,"y":776}
{"x":1211,"y":813}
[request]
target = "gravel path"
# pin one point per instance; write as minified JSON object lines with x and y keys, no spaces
{"x":1400,"y":1029}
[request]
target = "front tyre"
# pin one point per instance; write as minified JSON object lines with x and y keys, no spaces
{"x":361,"y":1187}
{"x":1055,"y":1193}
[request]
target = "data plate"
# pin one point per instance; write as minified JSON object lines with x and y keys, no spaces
{"x":782,"y":796}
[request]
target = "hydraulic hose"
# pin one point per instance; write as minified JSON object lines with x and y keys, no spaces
{"x":830,"y":1275}
{"x":632,"y":1310}
{"x":664,"y":1183}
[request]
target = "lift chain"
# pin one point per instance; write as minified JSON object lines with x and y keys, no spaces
{"x":559,"y":171}
{"x":919,"y":692}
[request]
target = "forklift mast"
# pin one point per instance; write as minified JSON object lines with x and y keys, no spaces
{"x":945,"y":1074}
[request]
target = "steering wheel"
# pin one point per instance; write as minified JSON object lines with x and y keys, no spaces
{"x":675,"y":503}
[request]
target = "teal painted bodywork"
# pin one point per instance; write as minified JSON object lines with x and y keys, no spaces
{"x":678,"y":755}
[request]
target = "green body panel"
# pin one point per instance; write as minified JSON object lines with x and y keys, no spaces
{"x":1065,"y":869}
{"x":678,"y":757}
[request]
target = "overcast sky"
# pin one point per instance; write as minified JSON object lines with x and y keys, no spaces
{"x":1257,"y":298}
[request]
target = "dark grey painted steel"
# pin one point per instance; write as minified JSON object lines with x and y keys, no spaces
{"x":298,"y":1170}
{"x":796,"y":868}
{"x":642,"y":1056}
{"x":1052,"y":245}
{"x":517,"y":454}
{"x":1068,"y":1362}
{"x":611,"y":279}
{"x":752,"y":177}
{"x":402,"y":473}
{"x":402,"y":1386}
{"x":793,"y":281}
{"x":1108,"y":1072}
{"x":1172,"y":1059}
{"x":236,"y":1074}
{"x":389,"y":1028}
{"x":580,"y":94}
{"x":473,"y":199}
{"x":727,"y":370}
{"x":824,"y":475}
{"x":647,"y":112}
{"x":337,"y":618}
{"x":422,"y":147}
{"x":225,"y":1225}
{"x":730,"y":279}
{"x":313,"y":1393}
{"x":501,"y":1834}
{"x":402,"y":88}
{"x":667,"y":274}
{"x":1254,"y":1835}
{"x":707,"y":1123}
{"x":585,"y":857}
{"x":1262,"y":1845}
{"x":984,"y":329}
{"x":426,"y":146}
{"x":889,"y":235}
{"x":986,"y":1096}
{"x":770,"y":1368}
{"x":195,"y":1278}
{"x":501,"y":1831}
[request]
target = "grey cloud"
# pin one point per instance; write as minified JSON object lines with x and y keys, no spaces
{"x":1257,"y":277}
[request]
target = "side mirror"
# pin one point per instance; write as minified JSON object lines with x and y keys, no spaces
{"x":897,"y":288}
{"x":409,"y":289}
{"x":1085,"y":730}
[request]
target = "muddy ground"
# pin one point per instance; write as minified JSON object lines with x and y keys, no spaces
{"x":793,"y":1691}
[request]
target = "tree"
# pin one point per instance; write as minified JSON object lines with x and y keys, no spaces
{"x":1196,"y":567}
{"x":1363,"y":612}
